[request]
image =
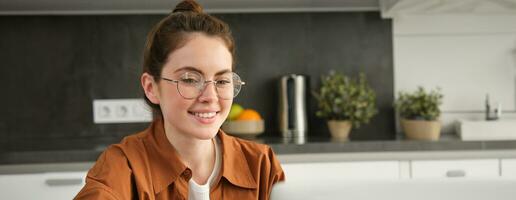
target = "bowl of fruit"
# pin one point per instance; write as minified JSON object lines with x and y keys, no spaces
{"x":243,"y":122}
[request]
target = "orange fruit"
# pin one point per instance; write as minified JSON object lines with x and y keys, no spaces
{"x":249,"y":115}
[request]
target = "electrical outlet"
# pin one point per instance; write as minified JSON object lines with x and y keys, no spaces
{"x":107,"y":111}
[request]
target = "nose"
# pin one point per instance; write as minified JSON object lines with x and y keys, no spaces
{"x":209,"y":92}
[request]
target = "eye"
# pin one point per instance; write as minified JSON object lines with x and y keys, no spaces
{"x":189,"y":81}
{"x":223,"y":82}
{"x":190,"y":78}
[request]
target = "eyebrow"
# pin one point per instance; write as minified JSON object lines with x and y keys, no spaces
{"x":190,"y":68}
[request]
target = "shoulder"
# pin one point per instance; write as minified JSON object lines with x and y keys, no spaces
{"x":119,"y":154}
{"x":111,"y":166}
{"x":251,"y":148}
{"x":111,"y":175}
{"x":108,"y":177}
{"x":134,"y":141}
{"x":247,"y":144}
{"x":258,"y":156}
{"x":113,"y":163}
{"x":130,"y":148}
{"x":262,"y":164}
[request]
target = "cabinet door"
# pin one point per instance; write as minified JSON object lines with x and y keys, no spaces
{"x":368,"y":170}
{"x":43,"y":186}
{"x":481,"y":168}
{"x":508,"y":168}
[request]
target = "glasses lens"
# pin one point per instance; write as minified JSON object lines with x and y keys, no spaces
{"x":225,"y":84}
{"x":189,"y":84}
{"x":237,"y":84}
{"x":228,"y":85}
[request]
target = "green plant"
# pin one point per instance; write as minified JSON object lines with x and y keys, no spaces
{"x":419,"y":105}
{"x":342,"y":98}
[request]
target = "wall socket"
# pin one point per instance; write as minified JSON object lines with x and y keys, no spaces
{"x":106,"y":111}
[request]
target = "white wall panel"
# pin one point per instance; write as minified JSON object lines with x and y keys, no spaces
{"x":453,"y":24}
{"x":466,"y":67}
{"x":466,"y":55}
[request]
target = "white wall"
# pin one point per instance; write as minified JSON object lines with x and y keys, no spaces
{"x":466,"y":55}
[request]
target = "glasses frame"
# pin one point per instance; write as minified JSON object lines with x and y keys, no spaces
{"x":205,"y":83}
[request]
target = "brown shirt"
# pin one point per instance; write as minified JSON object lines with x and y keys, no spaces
{"x":146,"y":166}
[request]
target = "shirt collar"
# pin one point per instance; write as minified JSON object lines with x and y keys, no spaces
{"x":166,"y":165}
{"x":235,"y":167}
{"x":164,"y":161}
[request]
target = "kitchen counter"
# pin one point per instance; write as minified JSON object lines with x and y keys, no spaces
{"x":327,"y":145}
{"x":311,"y":146}
{"x":313,"y":150}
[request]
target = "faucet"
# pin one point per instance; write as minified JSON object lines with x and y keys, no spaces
{"x":497,"y":111}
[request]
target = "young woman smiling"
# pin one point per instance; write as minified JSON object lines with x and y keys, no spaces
{"x":188,"y":81}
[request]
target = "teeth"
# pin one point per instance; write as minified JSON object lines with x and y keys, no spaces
{"x":205,"y":115}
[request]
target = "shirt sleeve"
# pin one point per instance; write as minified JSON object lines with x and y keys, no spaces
{"x":276,"y":172}
{"x":110,"y":178}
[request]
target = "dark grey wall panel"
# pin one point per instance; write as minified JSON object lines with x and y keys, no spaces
{"x":54,"y":66}
{"x":271,"y":45}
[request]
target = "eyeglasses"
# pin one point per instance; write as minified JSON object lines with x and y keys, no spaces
{"x":190,"y":85}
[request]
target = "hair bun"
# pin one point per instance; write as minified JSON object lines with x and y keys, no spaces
{"x":188,"y":6}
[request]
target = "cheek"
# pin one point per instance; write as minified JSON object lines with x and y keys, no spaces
{"x":173,"y":104}
{"x":226,"y":106}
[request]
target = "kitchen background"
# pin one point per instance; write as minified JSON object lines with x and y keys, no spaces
{"x":55,"y":66}
{"x":58,"y":56}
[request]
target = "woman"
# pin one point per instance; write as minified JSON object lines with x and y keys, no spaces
{"x":188,"y":81}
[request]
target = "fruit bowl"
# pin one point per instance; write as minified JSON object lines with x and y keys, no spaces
{"x":244,"y":128}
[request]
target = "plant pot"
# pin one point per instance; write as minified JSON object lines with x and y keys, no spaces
{"x":421,"y":129}
{"x":339,"y":129}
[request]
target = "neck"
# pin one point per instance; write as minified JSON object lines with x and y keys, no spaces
{"x":196,"y":154}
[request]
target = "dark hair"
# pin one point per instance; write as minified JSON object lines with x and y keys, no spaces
{"x":171,"y":33}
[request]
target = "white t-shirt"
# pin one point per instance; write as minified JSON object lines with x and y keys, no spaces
{"x":202,"y":192}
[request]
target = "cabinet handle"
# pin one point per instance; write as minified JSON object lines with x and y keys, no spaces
{"x":63,"y":181}
{"x":455,"y":173}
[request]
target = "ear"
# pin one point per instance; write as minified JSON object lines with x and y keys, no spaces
{"x":150,"y":88}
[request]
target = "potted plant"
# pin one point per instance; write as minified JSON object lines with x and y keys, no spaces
{"x":419,"y":112}
{"x":345,"y":103}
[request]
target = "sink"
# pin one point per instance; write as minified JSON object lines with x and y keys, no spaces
{"x":504,"y":129}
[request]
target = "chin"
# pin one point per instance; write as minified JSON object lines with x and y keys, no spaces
{"x":205,"y":133}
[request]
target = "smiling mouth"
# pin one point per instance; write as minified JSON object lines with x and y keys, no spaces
{"x":205,"y":115}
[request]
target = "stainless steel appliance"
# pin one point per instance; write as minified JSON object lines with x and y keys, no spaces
{"x":292,"y":107}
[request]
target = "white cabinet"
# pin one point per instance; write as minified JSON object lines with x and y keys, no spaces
{"x":478,"y":168}
{"x":368,"y":170}
{"x":508,"y":168}
{"x":392,"y":170}
{"x":398,"y":180}
{"x":42,"y":186}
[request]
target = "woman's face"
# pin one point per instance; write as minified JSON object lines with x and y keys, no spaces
{"x":200,"y":117}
